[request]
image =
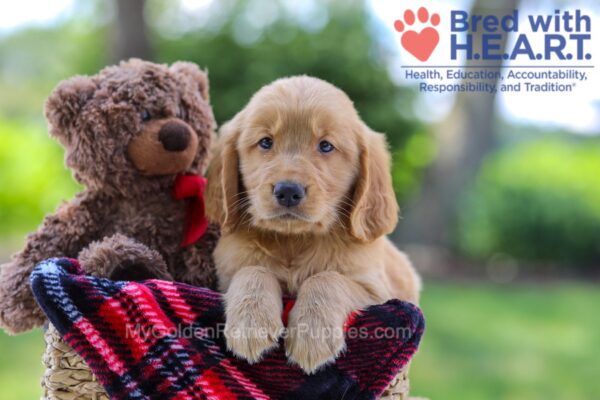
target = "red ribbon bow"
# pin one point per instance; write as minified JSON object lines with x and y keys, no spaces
{"x":191,"y":187}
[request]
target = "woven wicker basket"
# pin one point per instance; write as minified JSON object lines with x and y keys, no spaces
{"x":68,"y":377}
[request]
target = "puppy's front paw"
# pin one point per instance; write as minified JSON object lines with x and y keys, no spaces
{"x":313,"y":340}
{"x":252,"y":331}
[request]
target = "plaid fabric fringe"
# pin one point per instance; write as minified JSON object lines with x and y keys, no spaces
{"x":163,"y":340}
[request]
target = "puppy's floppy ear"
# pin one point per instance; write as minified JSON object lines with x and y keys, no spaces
{"x":375,"y":210}
{"x":223,"y":179}
{"x":65,"y":103}
{"x":192,"y":76}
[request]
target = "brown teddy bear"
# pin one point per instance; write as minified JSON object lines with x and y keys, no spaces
{"x":131,"y":133}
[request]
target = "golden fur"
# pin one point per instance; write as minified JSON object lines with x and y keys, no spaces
{"x":330,"y":252}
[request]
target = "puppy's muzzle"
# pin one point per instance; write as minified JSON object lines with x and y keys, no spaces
{"x":289,"y":194}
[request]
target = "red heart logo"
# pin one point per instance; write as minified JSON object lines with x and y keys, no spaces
{"x":421,"y":44}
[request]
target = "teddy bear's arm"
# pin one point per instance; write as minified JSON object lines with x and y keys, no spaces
{"x":62,"y":234}
{"x":119,"y":257}
{"x":198,"y":260}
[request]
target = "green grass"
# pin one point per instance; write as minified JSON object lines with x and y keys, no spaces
{"x":21,"y":366}
{"x":482,"y":342}
{"x":509,"y":342}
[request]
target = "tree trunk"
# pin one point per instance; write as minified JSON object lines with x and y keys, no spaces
{"x":463,"y":138}
{"x":130,"y":37}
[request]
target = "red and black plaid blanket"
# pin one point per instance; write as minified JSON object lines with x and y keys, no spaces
{"x":162,"y":340}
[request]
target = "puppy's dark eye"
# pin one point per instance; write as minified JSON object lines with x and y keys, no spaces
{"x":325,"y":146}
{"x":146,"y":115}
{"x":265,"y":143}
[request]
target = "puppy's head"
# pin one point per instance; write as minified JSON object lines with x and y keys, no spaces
{"x":298,"y":159}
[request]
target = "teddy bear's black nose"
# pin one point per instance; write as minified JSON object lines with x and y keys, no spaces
{"x":174,"y":136}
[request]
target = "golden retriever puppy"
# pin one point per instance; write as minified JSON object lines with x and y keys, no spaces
{"x":303,"y":193}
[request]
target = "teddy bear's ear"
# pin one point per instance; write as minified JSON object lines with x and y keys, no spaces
{"x":65,"y":103}
{"x":192,"y":77}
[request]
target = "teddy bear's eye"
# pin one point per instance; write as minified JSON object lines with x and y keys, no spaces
{"x":146,"y":115}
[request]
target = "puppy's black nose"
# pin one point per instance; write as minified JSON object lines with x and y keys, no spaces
{"x":289,"y":194}
{"x":174,"y":136}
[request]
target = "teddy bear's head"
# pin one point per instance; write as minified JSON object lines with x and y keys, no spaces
{"x":134,"y":126}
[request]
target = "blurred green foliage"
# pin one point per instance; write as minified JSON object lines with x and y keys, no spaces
{"x":408,"y":160}
{"x":34,"y":60}
{"x":537,"y":201}
{"x":237,"y":70}
{"x":33,"y":178}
